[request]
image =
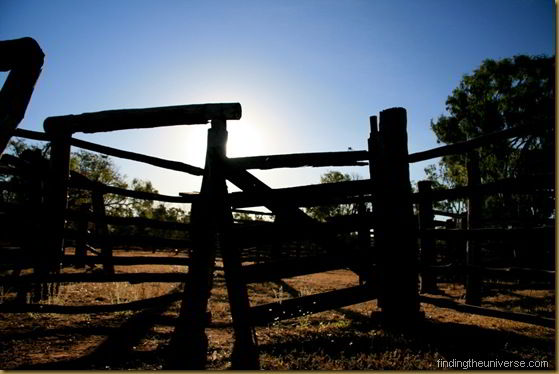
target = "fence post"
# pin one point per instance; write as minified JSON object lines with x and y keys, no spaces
{"x":245,"y":354}
{"x":473,"y":255}
{"x":82,"y":227}
{"x":395,"y":228}
{"x":211,"y":221}
{"x":102,"y":230}
{"x":57,"y":202}
{"x":427,"y":251}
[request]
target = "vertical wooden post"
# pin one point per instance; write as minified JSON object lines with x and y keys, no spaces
{"x":82,"y":225}
{"x":102,"y":229}
{"x":212,"y":221}
{"x":364,"y":244}
{"x":57,"y":202}
{"x":372,"y":147}
{"x":427,"y":251}
{"x":245,"y":354}
{"x":473,"y":255}
{"x":395,"y":228}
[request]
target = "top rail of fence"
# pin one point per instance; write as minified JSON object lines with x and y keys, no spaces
{"x":123,"y":119}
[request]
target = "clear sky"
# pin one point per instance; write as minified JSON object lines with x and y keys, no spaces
{"x":308,"y":73}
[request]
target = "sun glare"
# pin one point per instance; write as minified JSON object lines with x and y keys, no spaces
{"x":244,"y":140}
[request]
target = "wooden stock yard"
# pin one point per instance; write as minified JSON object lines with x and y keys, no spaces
{"x":386,"y":262}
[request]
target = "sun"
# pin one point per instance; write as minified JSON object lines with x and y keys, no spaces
{"x":244,"y":140}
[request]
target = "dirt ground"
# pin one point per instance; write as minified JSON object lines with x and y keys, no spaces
{"x":346,"y":338}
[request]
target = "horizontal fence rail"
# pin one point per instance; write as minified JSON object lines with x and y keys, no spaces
{"x":262,"y":315}
{"x":81,"y":182}
{"x":123,"y":119}
{"x":127,"y":221}
{"x":94,"y":278}
{"x":90,"y":309}
{"x":296,"y":160}
{"x":468,"y":145}
{"x":310,"y":195}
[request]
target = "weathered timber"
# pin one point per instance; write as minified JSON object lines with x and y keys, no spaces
{"x":395,"y":245}
{"x":34,"y":135}
{"x":515,"y":273}
{"x":254,"y":188}
{"x":267,"y":272}
{"x":132,"y":240}
{"x":102,"y":230}
{"x":471,"y":309}
{"x":81,"y":243}
{"x":256,"y":212}
{"x":521,"y":185}
{"x":473,"y":250}
{"x":89,"y":309}
{"x":24,"y":59}
{"x":122,"y":119}
{"x":511,"y":273}
{"x":93,"y":278}
{"x":155,"y":161}
{"x":129,"y":221}
{"x":82,"y":182}
{"x":245,"y":353}
{"x":316,"y":194}
{"x":447,"y":214}
{"x":250,"y":234}
{"x":427,"y":250}
{"x":295,"y":160}
{"x":19,"y":261}
{"x":471,"y":144}
{"x":265,"y":314}
{"x":488,"y":233}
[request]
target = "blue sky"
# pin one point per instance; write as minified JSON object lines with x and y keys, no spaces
{"x":308,"y":73}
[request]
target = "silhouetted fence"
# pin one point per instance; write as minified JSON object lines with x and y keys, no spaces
{"x":379,"y":241}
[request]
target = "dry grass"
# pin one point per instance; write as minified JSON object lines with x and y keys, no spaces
{"x":346,"y":338}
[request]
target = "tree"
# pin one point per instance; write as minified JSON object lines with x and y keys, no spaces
{"x":499,"y":95}
{"x":323,"y":212}
{"x":98,"y":168}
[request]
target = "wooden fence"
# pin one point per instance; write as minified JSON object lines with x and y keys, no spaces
{"x":387,"y":262}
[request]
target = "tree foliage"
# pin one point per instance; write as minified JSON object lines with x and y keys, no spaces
{"x":323,"y":212}
{"x":499,"y":95}
{"x":101,"y":168}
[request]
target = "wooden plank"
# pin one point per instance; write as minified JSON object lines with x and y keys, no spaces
{"x":267,"y":272}
{"x":255,"y":188}
{"x":295,"y":160}
{"x":24,"y":261}
{"x":465,"y":146}
{"x":140,"y":241}
{"x":255,"y":212}
{"x":33,"y":135}
{"x":315,"y":194}
{"x":155,"y":161}
{"x":448,"y":214}
{"x":90,"y":309}
{"x":527,"y":185}
{"x":247,"y":234}
{"x":24,"y":59}
{"x":488,"y":233}
{"x":471,"y":309}
{"x":123,"y":119}
{"x":265,"y":314}
{"x":82,"y":182}
{"x":94,"y":278}
{"x":132,"y":221}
